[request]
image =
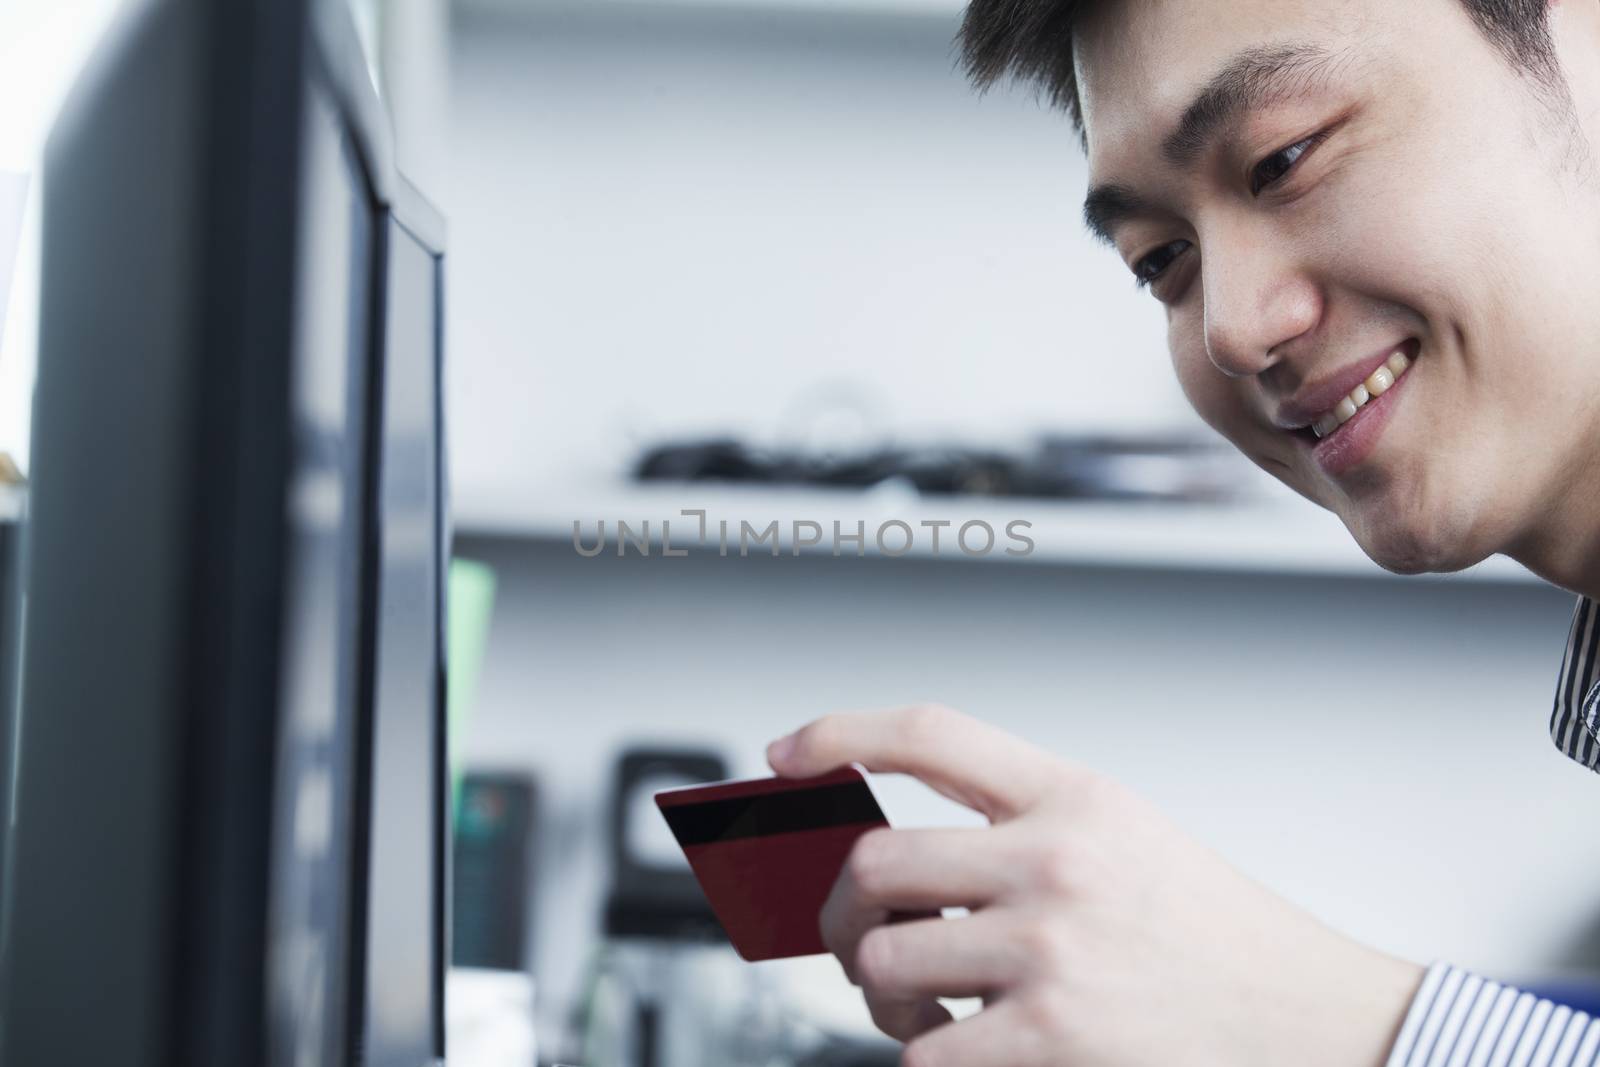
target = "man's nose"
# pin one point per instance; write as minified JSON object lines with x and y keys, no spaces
{"x":1255,"y":301}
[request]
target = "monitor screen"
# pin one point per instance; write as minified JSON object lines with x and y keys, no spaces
{"x":404,"y":901}
{"x":320,"y":679}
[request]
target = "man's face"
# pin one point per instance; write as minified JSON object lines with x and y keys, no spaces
{"x":1373,"y":178}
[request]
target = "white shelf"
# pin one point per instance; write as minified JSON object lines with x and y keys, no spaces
{"x":1287,"y":537}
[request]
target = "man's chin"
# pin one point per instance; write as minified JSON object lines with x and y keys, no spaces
{"x":1404,"y":530}
{"x":1419,"y":547}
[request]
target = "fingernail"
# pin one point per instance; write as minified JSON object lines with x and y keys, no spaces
{"x":781,"y":749}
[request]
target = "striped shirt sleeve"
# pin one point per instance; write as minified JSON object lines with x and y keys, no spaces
{"x":1575,"y":713}
{"x":1458,"y":1019}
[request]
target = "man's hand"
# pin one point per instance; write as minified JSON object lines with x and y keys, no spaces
{"x":1099,"y":935}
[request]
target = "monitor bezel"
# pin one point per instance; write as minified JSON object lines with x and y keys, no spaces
{"x":339,"y":60}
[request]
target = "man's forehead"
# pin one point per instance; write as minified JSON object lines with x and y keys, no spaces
{"x":1140,"y":63}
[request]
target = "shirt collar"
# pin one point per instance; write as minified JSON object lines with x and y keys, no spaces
{"x":1575,"y":717}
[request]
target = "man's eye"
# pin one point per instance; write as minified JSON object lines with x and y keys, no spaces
{"x":1155,"y":264}
{"x":1280,"y":163}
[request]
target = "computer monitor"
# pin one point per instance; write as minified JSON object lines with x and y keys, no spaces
{"x":229,"y":842}
{"x":406,"y":947}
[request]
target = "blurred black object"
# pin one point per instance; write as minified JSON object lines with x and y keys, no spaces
{"x":10,"y":607}
{"x":648,"y":901}
{"x":1060,"y":467}
{"x":491,"y":889}
{"x":650,"y":1003}
{"x":10,"y":631}
{"x":853,"y":1052}
{"x":660,"y":996}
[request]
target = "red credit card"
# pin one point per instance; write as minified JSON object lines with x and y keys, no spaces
{"x":767,"y":852}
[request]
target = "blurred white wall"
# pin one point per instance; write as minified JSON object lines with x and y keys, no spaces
{"x":668,"y":219}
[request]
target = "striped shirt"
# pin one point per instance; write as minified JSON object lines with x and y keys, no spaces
{"x":1458,"y":1019}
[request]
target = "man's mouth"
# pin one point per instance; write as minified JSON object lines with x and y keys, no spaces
{"x":1377,"y":383}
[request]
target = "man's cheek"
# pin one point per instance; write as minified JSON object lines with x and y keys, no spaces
{"x":1223,"y":405}
{"x":1213,"y":396}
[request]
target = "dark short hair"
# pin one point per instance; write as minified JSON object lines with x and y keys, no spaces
{"x":1031,"y":40}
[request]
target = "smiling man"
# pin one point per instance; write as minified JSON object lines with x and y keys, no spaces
{"x":1374,"y":229}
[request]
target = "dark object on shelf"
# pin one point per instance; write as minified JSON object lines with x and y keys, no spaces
{"x":491,"y":889}
{"x":1060,"y":467}
{"x":930,"y":470}
{"x":1137,"y":468}
{"x":648,"y":901}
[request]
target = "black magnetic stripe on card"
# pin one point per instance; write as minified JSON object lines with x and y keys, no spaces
{"x":773,"y":813}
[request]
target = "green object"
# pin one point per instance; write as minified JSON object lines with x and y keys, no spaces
{"x":471,"y":599}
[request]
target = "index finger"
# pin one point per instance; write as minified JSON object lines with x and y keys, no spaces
{"x":968,"y":761}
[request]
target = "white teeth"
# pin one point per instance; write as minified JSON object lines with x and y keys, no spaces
{"x":1378,"y":382}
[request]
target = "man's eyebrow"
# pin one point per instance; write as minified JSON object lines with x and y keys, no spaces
{"x":1250,"y":80}
{"x":1107,"y":205}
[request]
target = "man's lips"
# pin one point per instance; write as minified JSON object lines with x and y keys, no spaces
{"x":1312,"y":401}
{"x":1352,"y":441}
